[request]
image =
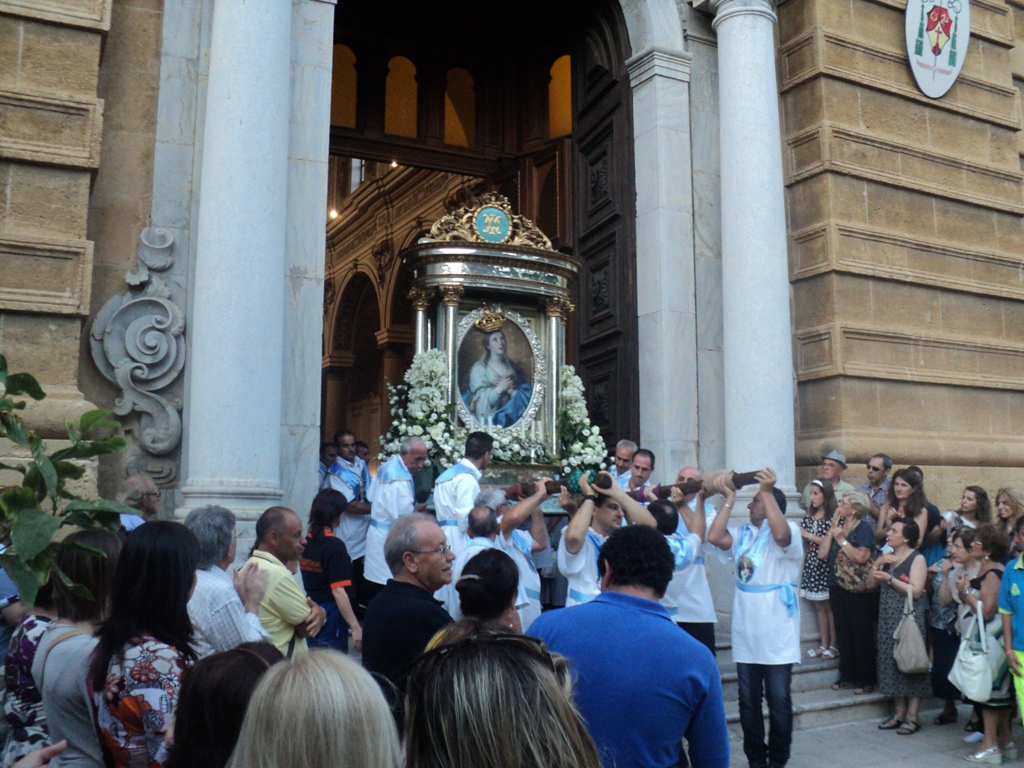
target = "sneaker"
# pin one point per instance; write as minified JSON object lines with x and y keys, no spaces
{"x":974,"y":738}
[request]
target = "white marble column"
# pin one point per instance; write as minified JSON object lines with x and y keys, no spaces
{"x":420,"y":300}
{"x":234,"y":401}
{"x":312,"y":47}
{"x":665,"y":257}
{"x":556,"y":312}
{"x":757,"y":342}
{"x":451,"y":295}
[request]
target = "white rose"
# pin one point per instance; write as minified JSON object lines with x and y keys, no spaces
{"x":417,"y":430}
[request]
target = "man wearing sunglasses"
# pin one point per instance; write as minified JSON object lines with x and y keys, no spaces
{"x":876,"y":487}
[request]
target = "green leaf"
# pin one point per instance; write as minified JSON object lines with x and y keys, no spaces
{"x":32,"y":532}
{"x":24,"y":384}
{"x":76,"y":589}
{"x":23,"y":577}
{"x":68,"y":471}
{"x":3,"y":368}
{"x":13,"y":467}
{"x":86,"y":449}
{"x":46,"y":470}
{"x":95,"y":419}
{"x":73,"y":431}
{"x":18,"y":499}
{"x":100,"y":505}
{"x":13,"y":428}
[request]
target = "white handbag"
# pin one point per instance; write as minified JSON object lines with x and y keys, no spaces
{"x":971,"y":672}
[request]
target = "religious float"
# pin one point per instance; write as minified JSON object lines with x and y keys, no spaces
{"x":491,"y":299}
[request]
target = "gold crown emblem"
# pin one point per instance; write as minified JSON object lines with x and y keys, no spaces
{"x":489,"y":320}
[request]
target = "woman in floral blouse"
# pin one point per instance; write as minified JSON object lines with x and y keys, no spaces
{"x":23,"y":703}
{"x":145,"y":645}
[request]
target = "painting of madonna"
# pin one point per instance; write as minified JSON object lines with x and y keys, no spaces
{"x":498,"y":389}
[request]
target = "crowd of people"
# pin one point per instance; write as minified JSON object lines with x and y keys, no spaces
{"x":147,"y":648}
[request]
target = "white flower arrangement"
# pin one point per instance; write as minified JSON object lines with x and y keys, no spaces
{"x":420,"y":408}
{"x":582,"y":445}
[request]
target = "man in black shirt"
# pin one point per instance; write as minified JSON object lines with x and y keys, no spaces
{"x":402,"y":619}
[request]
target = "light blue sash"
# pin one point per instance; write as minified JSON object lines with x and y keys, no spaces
{"x":787,"y":592}
{"x":393,"y":469}
{"x":380,"y":526}
{"x":448,"y":523}
{"x":452,"y":472}
{"x":351,"y":477}
{"x":682,"y":552}
{"x":533,"y":594}
{"x":579,"y":597}
{"x":596,"y":541}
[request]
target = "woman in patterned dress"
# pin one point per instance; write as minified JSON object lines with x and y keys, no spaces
{"x":145,"y":645}
{"x":814,"y":582}
{"x":901,"y":571}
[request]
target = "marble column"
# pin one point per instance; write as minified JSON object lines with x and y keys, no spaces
{"x":232,"y":450}
{"x":451,"y":295}
{"x":556,"y":311}
{"x":757,"y":341}
{"x":666,"y":294}
{"x":420,"y":300}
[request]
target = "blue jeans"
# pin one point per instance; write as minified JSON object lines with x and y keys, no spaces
{"x":334,"y":633}
{"x":772,"y":681}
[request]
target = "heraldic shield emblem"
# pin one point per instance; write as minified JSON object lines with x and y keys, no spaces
{"x":937,"y":33}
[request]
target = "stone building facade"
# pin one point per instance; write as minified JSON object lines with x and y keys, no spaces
{"x":852,"y":280}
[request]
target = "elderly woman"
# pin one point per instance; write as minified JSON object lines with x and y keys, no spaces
{"x":847,"y":547}
{"x":945,"y":619}
{"x":902,"y":571}
{"x":982,"y":593}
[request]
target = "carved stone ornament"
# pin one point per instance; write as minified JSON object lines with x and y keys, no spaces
{"x":420,"y":299}
{"x":489,"y":219}
{"x":451,"y":295}
{"x":557,"y":306}
{"x":137,"y":342}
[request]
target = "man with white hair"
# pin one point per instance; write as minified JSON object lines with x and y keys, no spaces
{"x":623,"y":458}
{"x":494,"y":523}
{"x":224,"y":608}
{"x":391,"y":496}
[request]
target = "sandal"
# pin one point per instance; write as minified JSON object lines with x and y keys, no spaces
{"x":840,"y":685}
{"x":909,"y":728}
{"x":829,"y":653}
{"x":814,"y":654}
{"x":945,"y":718}
{"x":865,"y":689}
{"x":890,"y":725}
{"x":972,"y":726}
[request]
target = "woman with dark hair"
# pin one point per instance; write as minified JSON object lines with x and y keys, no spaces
{"x":214,"y":696}
{"x":488,"y":588}
{"x":981,"y":593}
{"x":327,"y":573}
{"x":145,"y":645}
{"x":22,"y":702}
{"x":902,"y":571}
{"x":61,"y":662}
{"x":906,"y":501}
{"x":814,"y":580}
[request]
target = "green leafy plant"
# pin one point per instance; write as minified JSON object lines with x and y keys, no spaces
{"x":33,"y":512}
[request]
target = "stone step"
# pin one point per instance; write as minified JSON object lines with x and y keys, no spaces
{"x":811,"y":675}
{"x":818,"y":708}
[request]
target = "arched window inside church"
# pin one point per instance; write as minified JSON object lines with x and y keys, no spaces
{"x":560,"y":98}
{"x":343,"y":87}
{"x":459,"y":109}
{"x":400,"y":98}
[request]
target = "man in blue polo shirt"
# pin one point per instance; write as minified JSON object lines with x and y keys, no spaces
{"x":642,"y":683}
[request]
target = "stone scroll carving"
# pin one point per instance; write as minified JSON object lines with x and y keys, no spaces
{"x":138,"y":343}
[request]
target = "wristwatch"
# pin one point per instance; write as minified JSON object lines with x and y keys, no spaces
{"x":592,"y":497}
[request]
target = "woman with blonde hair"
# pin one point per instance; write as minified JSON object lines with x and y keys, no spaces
{"x":320,"y":711}
{"x":1010,"y":509}
{"x":455,"y":717}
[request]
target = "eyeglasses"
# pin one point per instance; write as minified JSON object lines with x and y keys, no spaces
{"x":425,"y":666}
{"x":154,"y":494}
{"x":875,"y":469}
{"x":443,"y":550}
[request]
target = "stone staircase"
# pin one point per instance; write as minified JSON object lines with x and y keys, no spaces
{"x":815,"y":704}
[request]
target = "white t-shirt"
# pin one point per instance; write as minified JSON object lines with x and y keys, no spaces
{"x":688,"y":597}
{"x":762,"y":630}
{"x":580,"y":569}
{"x":391,"y":496}
{"x":519,"y":546}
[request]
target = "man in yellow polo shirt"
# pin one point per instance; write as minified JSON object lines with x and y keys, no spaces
{"x":287,"y":615}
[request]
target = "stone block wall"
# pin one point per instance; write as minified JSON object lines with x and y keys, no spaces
{"x":51,"y":123}
{"x":906,"y":244}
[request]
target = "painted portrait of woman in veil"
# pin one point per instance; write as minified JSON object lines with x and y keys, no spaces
{"x":496,"y":375}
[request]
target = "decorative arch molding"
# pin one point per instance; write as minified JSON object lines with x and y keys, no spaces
{"x":653,"y":25}
{"x":351,"y":296}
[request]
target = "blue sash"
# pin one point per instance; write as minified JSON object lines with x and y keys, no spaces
{"x":787,"y":592}
{"x":682,"y":552}
{"x":448,"y":523}
{"x":452,"y":472}
{"x":353,"y":478}
{"x":533,"y":594}
{"x":380,"y":526}
{"x":579,"y":597}
{"x":751,"y":547}
{"x":596,"y":541}
{"x":393,"y":469}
